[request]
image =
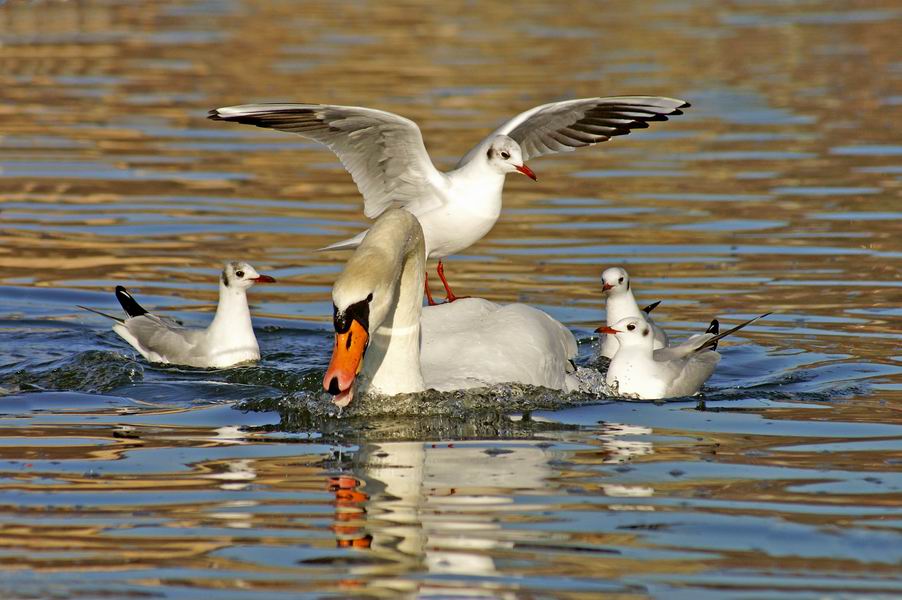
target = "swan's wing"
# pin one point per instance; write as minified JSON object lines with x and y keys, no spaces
{"x":566,"y":126}
{"x":383,"y":152}
{"x":475,"y":343}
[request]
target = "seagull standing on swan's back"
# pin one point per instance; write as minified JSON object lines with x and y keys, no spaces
{"x":387,"y":158}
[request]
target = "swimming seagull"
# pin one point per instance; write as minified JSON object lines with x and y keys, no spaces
{"x":639,"y":371}
{"x":387,"y":158}
{"x":227,"y":341}
{"x":619,"y":304}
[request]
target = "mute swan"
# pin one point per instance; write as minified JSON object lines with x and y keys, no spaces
{"x":387,"y":343}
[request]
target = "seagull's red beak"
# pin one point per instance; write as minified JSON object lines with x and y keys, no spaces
{"x":346,"y":363}
{"x":610,"y":330}
{"x":527,"y":171}
{"x":606,"y":287}
{"x":264,"y":279}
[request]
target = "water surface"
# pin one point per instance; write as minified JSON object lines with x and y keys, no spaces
{"x":779,"y":190}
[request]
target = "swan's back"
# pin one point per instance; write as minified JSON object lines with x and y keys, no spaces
{"x":475,"y":343}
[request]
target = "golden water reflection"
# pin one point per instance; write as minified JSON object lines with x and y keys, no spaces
{"x":777,"y":191}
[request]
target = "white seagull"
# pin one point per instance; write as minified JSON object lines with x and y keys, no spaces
{"x":619,"y":304}
{"x":639,"y":371}
{"x":387,"y":158}
{"x":228,"y":340}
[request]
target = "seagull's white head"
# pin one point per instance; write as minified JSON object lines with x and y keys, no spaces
{"x":631,"y":332}
{"x":615,"y":280}
{"x":505,"y":155}
{"x":240,"y":275}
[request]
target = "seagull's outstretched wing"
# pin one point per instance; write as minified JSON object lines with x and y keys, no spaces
{"x":383,"y":152}
{"x":566,"y":126}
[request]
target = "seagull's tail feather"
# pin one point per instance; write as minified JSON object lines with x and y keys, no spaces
{"x":348,"y":244}
{"x":129,"y":304}
{"x":647,"y":310}
{"x":102,"y":314}
{"x":711,"y":344}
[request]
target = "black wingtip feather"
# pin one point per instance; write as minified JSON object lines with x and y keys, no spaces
{"x":129,"y":304}
{"x":714,"y":328}
{"x":647,"y":310}
{"x":712,"y":343}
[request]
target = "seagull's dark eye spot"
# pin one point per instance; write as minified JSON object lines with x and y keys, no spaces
{"x":505,"y":155}
{"x":630,"y":327}
{"x":620,"y":280}
{"x":369,"y":298}
{"x":645,"y":332}
{"x":239,"y":273}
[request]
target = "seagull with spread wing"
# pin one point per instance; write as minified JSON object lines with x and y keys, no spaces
{"x":387,"y":158}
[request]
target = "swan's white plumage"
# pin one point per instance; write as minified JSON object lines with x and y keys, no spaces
{"x":473,"y":343}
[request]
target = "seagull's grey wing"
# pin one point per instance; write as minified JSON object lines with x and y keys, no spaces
{"x":566,"y":126}
{"x":383,"y":152}
{"x":682,"y":350}
{"x":164,"y":337}
{"x":691,"y":373}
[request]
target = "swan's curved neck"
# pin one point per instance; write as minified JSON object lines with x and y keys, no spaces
{"x":387,"y":270}
{"x":392,"y":362}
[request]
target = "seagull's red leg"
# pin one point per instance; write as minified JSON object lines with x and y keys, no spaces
{"x":428,"y":293}
{"x":441,"y":275}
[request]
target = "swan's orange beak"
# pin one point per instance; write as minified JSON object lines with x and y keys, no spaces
{"x":610,"y":330}
{"x":347,"y":360}
{"x":527,"y":171}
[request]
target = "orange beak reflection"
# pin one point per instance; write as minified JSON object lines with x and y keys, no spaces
{"x":347,"y":360}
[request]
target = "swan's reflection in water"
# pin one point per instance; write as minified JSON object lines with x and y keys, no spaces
{"x":450,"y":510}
